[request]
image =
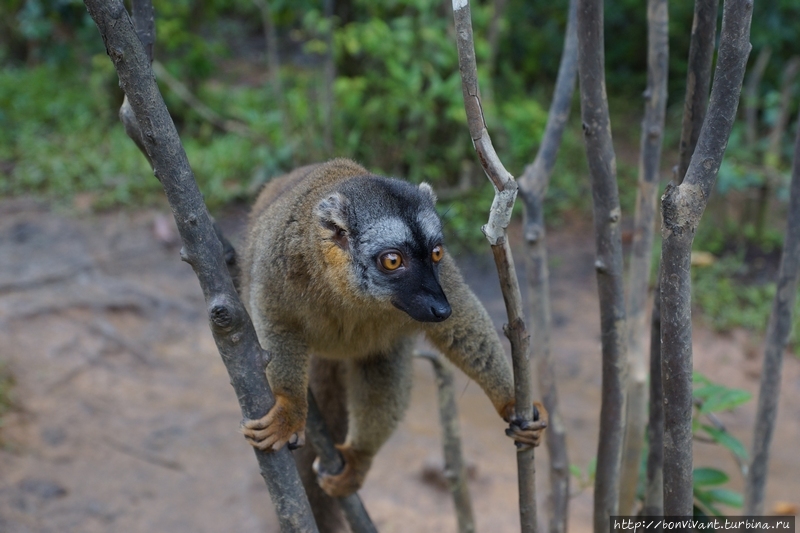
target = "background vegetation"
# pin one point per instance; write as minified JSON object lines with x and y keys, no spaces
{"x":396,"y":107}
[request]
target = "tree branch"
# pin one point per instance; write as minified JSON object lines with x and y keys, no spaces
{"x":331,"y":461}
{"x":682,"y":208}
{"x":778,"y":330}
{"x":495,"y":231}
{"x":698,"y":78}
{"x":608,"y":239}
{"x":641,"y":253}
{"x":454,"y":470}
{"x":233,"y":332}
{"x":654,"y":490}
{"x":751,"y":97}
{"x":532,"y":187}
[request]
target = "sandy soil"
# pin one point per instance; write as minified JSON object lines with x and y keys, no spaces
{"x":125,"y":421}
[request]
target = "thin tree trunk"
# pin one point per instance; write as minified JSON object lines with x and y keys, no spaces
{"x":608,"y":242}
{"x":698,"y":78}
{"x":682,"y":208}
{"x":654,"y":490}
{"x":495,"y":231}
{"x":641,"y":255}
{"x":498,"y":14}
{"x":772,"y":156}
{"x":454,"y":470}
{"x":780,"y":325}
{"x":533,"y":188}
{"x":751,"y":96}
{"x":233,"y":332}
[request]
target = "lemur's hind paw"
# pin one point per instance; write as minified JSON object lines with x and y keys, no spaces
{"x":350,"y":479}
{"x":528,"y":434}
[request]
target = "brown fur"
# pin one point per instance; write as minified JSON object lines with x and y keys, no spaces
{"x":302,"y":295}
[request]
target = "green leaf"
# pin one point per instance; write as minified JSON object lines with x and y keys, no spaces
{"x":698,"y":378}
{"x":727,"y":440}
{"x":725,"y":400}
{"x":707,"y":501}
{"x":576,"y":471}
{"x":709,"y":476}
{"x":727,"y":497}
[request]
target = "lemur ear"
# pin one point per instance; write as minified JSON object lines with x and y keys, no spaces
{"x":332,"y":214}
{"x":427,"y":189}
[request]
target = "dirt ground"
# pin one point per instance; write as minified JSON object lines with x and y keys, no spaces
{"x":124,"y":419}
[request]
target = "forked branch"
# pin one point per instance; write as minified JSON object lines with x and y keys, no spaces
{"x":495,"y":231}
{"x":233,"y":332}
{"x":682,"y":207}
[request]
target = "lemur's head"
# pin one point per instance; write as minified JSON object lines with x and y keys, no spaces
{"x":393,"y":236}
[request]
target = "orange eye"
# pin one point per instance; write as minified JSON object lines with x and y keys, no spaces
{"x":437,"y":253}
{"x":391,"y":261}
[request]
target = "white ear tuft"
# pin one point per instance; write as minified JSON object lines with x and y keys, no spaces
{"x":426,"y":188}
{"x":332,"y":211}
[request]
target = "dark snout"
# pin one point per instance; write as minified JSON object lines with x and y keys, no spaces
{"x":424,"y":303}
{"x":424,"y":307}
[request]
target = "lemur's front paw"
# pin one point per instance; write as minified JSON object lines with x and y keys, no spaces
{"x":528,"y":434}
{"x":350,"y":479}
{"x":284,"y":423}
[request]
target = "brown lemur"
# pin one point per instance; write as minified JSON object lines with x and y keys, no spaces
{"x":341,"y":270}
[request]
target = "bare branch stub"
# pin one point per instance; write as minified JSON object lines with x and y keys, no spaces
{"x":499,"y":217}
{"x":233,"y":332}
{"x":682,"y":207}
{"x":608,"y":265}
{"x":778,"y":330}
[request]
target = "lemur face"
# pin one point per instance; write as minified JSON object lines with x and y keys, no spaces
{"x":394,"y":238}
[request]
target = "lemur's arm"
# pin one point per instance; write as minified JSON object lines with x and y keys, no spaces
{"x":469,"y":339}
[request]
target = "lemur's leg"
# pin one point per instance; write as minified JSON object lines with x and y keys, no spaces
{"x":378,"y":393}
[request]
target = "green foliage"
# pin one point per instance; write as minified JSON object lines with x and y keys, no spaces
{"x":62,"y":138}
{"x":710,"y":398}
{"x":397,"y":97}
{"x":584,"y":478}
{"x":726,"y":299}
{"x":707,"y":499}
{"x":399,"y":92}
